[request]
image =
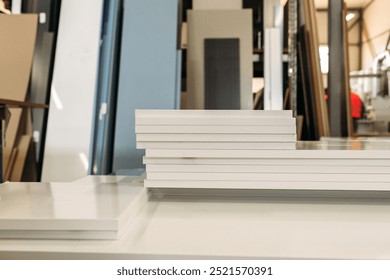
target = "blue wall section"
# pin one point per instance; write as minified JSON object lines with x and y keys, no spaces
{"x":148,"y":71}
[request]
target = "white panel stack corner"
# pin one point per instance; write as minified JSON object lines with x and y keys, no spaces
{"x":252,"y":150}
{"x":92,"y":208}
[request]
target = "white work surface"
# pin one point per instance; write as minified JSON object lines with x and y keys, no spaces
{"x":196,"y":227}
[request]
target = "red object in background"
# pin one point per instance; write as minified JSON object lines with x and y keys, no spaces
{"x":356,"y":106}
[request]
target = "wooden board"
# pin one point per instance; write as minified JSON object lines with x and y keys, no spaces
{"x":320,"y":93}
{"x":30,"y":167}
{"x":11,"y":132}
{"x":347,"y":79}
{"x":20,"y":161}
{"x":313,"y":84}
{"x":10,"y":165}
{"x":18,"y":35}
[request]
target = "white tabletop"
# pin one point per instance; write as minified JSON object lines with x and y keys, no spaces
{"x":233,"y":228}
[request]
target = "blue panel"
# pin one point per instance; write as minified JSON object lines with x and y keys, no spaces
{"x":107,"y":89}
{"x":178,"y":79}
{"x":148,"y":70}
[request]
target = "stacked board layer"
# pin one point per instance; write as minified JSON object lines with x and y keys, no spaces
{"x":253,"y":150}
{"x":99,"y":208}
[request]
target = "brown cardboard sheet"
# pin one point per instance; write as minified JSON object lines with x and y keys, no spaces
{"x":20,"y":161}
{"x":17,"y":37}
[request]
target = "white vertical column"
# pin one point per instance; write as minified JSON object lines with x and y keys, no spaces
{"x":16,"y":7}
{"x":273,"y":65}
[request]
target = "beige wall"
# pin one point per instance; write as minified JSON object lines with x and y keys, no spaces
{"x":218,"y":24}
{"x":377,"y":22}
{"x":322,"y":23}
{"x":216,"y":4}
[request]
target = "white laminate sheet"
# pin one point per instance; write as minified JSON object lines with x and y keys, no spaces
{"x":181,"y":137}
{"x":254,"y":129}
{"x":339,"y":162}
{"x":285,"y":154}
{"x":216,"y":120}
{"x":269,"y":185}
{"x":265,"y":168}
{"x":212,"y":113}
{"x":270,"y":177}
{"x":217,"y":145}
{"x":93,"y":209}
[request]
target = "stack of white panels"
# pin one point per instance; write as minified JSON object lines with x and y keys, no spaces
{"x":196,"y":134}
{"x":219,"y":150}
{"x":299,"y":169}
{"x":215,"y":130}
{"x":87,"y":209}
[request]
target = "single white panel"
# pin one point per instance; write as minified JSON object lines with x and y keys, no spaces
{"x":16,"y":7}
{"x":217,"y":145}
{"x":304,"y":185}
{"x":269,"y":177}
{"x":280,"y":169}
{"x":155,"y":137}
{"x":272,"y":154}
{"x":212,"y":113}
{"x":273,"y":74}
{"x":70,"y":121}
{"x":216,"y":120}
{"x":258,"y":129}
{"x":338,"y":162}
